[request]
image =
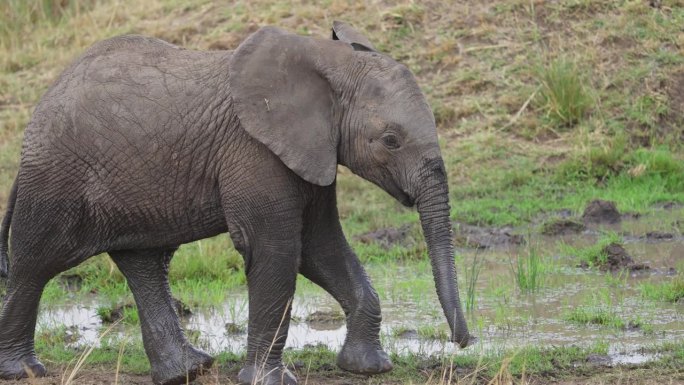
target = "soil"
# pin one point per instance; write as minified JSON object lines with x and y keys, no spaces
{"x":562,"y":227}
{"x":485,"y":237}
{"x":325,"y":320}
{"x":600,"y":212}
{"x":387,"y":237}
{"x":592,"y":374}
{"x":618,"y":259}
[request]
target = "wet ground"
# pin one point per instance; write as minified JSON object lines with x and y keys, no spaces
{"x":502,"y":317}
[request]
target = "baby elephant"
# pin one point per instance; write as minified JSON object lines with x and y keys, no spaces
{"x":141,"y":146}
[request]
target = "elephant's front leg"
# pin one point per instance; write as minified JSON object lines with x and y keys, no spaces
{"x":173,"y":359}
{"x":329,"y":261}
{"x":271,"y":263}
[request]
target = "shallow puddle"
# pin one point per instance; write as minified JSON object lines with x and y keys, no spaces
{"x":503,"y":318}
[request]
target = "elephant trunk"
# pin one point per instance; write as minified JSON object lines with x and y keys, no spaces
{"x":433,"y":207}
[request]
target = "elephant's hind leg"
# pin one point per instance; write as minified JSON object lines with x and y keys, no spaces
{"x":173,"y":359}
{"x":17,"y":325}
{"x":28,"y":276}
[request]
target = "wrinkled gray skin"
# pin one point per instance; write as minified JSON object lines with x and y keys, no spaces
{"x":141,"y":146}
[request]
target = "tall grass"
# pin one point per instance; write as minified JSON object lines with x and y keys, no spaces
{"x":471,"y":274}
{"x":563,"y":95}
{"x":18,"y":17}
{"x":529,"y":270}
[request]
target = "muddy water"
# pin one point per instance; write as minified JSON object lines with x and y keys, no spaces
{"x":502,"y":318}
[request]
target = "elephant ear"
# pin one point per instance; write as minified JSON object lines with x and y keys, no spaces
{"x":284,"y":101}
{"x":345,"y":33}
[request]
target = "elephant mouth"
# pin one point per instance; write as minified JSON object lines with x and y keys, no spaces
{"x":400,"y":195}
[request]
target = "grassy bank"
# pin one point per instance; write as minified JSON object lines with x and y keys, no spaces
{"x":528,"y":365}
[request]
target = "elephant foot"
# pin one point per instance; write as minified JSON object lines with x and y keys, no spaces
{"x":364,"y":359}
{"x":182,"y":370}
{"x":266,"y":375}
{"x":14,"y":369}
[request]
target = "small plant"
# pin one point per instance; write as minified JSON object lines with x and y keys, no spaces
{"x":562,"y":95}
{"x":528,"y":270}
{"x":471,"y":274}
{"x":433,"y":333}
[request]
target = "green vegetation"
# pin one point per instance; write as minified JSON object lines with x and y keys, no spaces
{"x":562,"y":94}
{"x":671,"y":290}
{"x":409,"y":368}
{"x":529,"y":269}
{"x":593,"y":255}
{"x":599,"y":315}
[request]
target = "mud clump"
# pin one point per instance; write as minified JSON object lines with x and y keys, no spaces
{"x":387,"y":237}
{"x":110,"y":315}
{"x":235,"y":329}
{"x":181,"y":309}
{"x":599,"y":360}
{"x":562,"y":227}
{"x":325,"y":320}
{"x":71,"y":282}
{"x":485,"y":237}
{"x":601,"y":212}
{"x":659,"y":236}
{"x":617,"y":258}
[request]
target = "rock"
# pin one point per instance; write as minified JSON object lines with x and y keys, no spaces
{"x":562,"y":227}
{"x":599,"y":211}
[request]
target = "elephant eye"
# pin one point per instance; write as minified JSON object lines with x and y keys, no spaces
{"x":390,"y":141}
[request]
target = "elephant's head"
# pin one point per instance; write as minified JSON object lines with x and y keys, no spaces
{"x":316,"y":103}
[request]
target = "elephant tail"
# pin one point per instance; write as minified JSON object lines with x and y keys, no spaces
{"x":4,"y":231}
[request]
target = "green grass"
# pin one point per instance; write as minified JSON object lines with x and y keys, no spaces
{"x":553,"y":362}
{"x":671,"y":290}
{"x":593,"y":255}
{"x":599,"y":315}
{"x":529,"y":269}
{"x":472,"y":272}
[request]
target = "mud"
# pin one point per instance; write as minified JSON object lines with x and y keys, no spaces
{"x":601,"y":212}
{"x":619,"y":259}
{"x":325,"y":320}
{"x":562,"y":227}
{"x":388,"y":237}
{"x":476,"y":237}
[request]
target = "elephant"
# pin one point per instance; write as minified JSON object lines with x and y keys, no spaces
{"x":140,"y":146}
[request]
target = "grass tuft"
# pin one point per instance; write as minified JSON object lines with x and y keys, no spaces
{"x":670,"y":291}
{"x":563,"y":95}
{"x":597,"y":315}
{"x":528,"y":270}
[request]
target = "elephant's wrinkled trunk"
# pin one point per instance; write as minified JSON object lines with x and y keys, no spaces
{"x":433,"y":207}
